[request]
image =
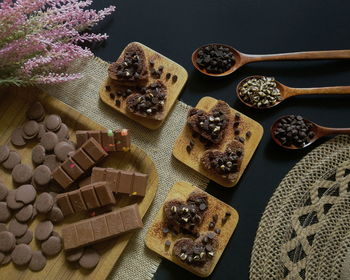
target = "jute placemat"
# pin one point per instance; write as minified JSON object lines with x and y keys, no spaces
{"x":305,"y":230}
{"x":137,"y":262}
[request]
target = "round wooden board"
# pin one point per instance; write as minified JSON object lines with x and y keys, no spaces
{"x":13,"y":106}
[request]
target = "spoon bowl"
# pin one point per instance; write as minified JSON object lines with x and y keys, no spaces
{"x":318,"y":130}
{"x":287,"y":92}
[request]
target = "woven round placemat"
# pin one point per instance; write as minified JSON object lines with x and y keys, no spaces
{"x":304,"y":232}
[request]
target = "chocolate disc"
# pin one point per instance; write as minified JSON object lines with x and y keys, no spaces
{"x":38,"y":261}
{"x":3,"y":191}
{"x":42,"y":131}
{"x":74,"y":255}
{"x":35,"y":111}
{"x":51,"y":162}
{"x":25,"y":214}
{"x":3,"y":227}
{"x":17,"y":137}
{"x":38,"y":154}
{"x":7,"y":241}
{"x":53,"y":122}
{"x":6,"y":260}
{"x":5,"y":213}
{"x":2,"y":256}
{"x":63,"y":132}
{"x":25,"y":194}
{"x":42,"y":175}
{"x":11,"y":201}
{"x":26,"y":238}
{"x":22,"y":173}
{"x":62,"y":149}
{"x":49,"y":140}
{"x":31,"y":129}
{"x":43,"y":230}
{"x":21,"y":255}
{"x":18,"y":229}
{"x":51,"y":246}
{"x":13,"y":159}
{"x":44,"y":202}
{"x":4,"y":153}
{"x":55,"y":215}
{"x":89,"y":259}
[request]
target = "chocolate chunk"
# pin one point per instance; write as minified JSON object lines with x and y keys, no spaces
{"x":11,"y":201}
{"x":44,"y":202}
{"x":74,"y":255}
{"x":18,"y":229}
{"x":3,"y":191}
{"x":5,"y":213}
{"x":25,"y":194}
{"x":38,"y":154}
{"x":89,"y":259}
{"x":25,"y":214}
{"x":53,"y":122}
{"x":43,"y":230}
{"x":38,"y":261}
{"x":25,"y":238}
{"x":17,"y":137}
{"x":13,"y":159}
{"x":49,"y":141}
{"x":4,"y":153}
{"x":51,"y":246}
{"x":7,"y":241}
{"x":21,"y":255}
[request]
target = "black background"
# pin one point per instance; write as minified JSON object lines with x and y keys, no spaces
{"x":176,"y":28}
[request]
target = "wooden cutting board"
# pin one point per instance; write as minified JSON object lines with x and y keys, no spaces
{"x":155,"y":238}
{"x":173,"y":89}
{"x":13,"y":106}
{"x":192,"y":159}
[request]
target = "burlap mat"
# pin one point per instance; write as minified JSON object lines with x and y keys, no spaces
{"x":305,"y":230}
{"x":137,"y":262}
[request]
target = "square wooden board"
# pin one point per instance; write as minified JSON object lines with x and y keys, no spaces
{"x":13,"y":106}
{"x":173,"y":89}
{"x":193,"y":159}
{"x":155,"y":238}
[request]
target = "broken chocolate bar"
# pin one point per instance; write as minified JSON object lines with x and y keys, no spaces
{"x":81,"y":161}
{"x":117,"y":140}
{"x":119,"y":181}
{"x":88,"y":197}
{"x":102,"y":227}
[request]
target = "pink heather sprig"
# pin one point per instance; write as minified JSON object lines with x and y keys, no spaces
{"x":40,"y":39}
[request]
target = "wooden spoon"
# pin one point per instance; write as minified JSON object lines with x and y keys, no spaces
{"x":319,"y":131}
{"x":242,"y":58}
{"x":287,"y":92}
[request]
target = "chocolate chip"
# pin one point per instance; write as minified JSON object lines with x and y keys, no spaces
{"x":211,"y":225}
{"x":165,"y":230}
{"x":211,"y":235}
{"x":168,"y":75}
{"x":202,"y":206}
{"x":108,"y":88}
{"x":215,"y":218}
{"x":248,"y":134}
{"x":217,"y":230}
{"x":117,"y":103}
{"x":237,"y":131}
{"x":161,"y":68}
{"x":111,"y":95}
{"x":151,"y":62}
{"x":235,"y":124}
{"x":188,"y":148}
{"x":167,"y":243}
{"x":174,"y":79}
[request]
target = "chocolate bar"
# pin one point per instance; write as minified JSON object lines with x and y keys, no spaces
{"x":88,"y":197}
{"x":81,"y":161}
{"x":102,"y":227}
{"x":111,"y":141}
{"x":119,"y":181}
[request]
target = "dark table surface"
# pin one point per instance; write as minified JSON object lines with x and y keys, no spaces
{"x":176,"y":28}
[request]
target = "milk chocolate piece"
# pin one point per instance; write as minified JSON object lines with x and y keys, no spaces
{"x":94,"y":230}
{"x":73,"y":168}
{"x":118,"y":140}
{"x":119,"y":181}
{"x":88,"y":197}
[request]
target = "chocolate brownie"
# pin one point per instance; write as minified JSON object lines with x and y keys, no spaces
{"x":131,"y":68}
{"x":226,"y":164}
{"x":181,"y":216}
{"x":211,"y":126}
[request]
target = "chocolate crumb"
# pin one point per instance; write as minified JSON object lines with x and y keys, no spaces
{"x":174,"y":79}
{"x":215,"y":218}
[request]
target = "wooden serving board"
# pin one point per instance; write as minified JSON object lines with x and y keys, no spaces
{"x":155,"y":238}
{"x":13,"y":106}
{"x":173,"y":89}
{"x":193,"y":159}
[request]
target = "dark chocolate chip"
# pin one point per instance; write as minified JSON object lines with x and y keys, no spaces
{"x":168,"y":75}
{"x":108,"y":88}
{"x":167,"y":243}
{"x":217,"y":230}
{"x":111,"y":95}
{"x":117,"y":103}
{"x":174,"y":79}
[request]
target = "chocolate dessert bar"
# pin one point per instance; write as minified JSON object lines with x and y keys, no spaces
{"x":130,"y":69}
{"x":119,"y":181}
{"x":102,"y":227}
{"x":181,"y":216}
{"x":117,"y":140}
{"x":211,"y":126}
{"x":81,"y":161}
{"x":88,"y":197}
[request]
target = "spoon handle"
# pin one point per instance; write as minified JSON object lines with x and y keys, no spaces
{"x":324,"y":131}
{"x":318,"y":90}
{"x":310,"y":55}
